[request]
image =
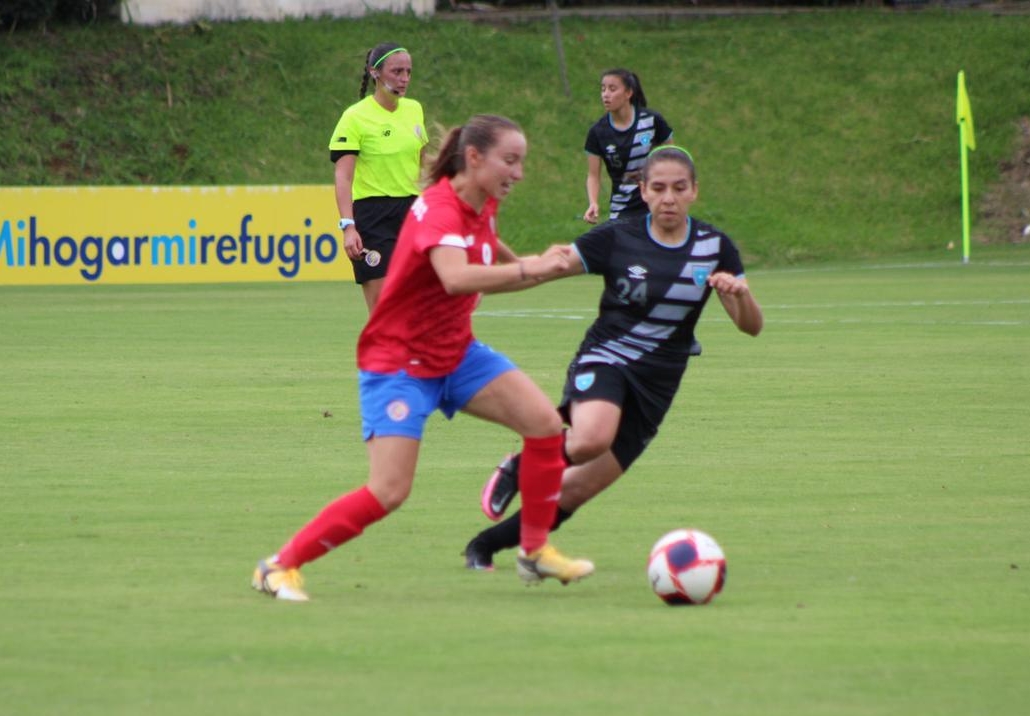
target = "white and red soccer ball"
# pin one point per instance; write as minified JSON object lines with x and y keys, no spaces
{"x":686,"y":567}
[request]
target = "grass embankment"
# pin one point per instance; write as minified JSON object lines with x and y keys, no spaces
{"x":828,"y":136}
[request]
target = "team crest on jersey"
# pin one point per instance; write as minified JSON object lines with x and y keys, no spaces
{"x":398,"y":410}
{"x":585,"y":380}
{"x":700,"y":272}
{"x":646,"y":137}
{"x":488,"y":255}
{"x":637,"y":272}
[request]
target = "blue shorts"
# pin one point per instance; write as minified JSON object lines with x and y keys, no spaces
{"x":397,"y":404}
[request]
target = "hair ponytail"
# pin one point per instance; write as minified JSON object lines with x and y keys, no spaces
{"x":445,"y":163}
{"x":639,"y":101}
{"x":481,"y":131}
{"x":364,"y":77}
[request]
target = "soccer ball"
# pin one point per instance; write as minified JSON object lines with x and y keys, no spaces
{"x":686,"y":567}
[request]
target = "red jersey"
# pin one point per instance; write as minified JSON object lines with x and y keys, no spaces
{"x":415,"y":326}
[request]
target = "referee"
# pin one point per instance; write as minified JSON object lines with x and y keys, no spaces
{"x":377,"y":148}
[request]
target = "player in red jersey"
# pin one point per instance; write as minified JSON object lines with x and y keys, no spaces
{"x":417,"y":354}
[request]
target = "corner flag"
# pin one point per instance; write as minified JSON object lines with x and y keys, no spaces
{"x":967,"y":141}
{"x":964,"y":113}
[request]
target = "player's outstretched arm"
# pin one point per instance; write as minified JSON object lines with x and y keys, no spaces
{"x":736,"y":298}
{"x":458,"y":276}
{"x":567,"y":264}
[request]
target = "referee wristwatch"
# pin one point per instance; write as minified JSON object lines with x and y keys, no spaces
{"x":344,"y":223}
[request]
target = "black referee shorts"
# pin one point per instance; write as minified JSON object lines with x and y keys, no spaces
{"x":378,"y":219}
{"x":644,"y":404}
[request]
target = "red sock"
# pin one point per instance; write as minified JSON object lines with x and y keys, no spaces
{"x":341,"y":520}
{"x":540,"y":471}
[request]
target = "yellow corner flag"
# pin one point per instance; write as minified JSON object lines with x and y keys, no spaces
{"x":964,"y":114}
{"x":966,"y":141}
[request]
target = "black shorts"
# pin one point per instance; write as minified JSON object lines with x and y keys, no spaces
{"x":644,"y":405}
{"x":378,"y":219}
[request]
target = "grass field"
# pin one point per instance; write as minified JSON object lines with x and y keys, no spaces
{"x":863,"y":463}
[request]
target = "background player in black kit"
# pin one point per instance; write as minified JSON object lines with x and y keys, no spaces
{"x":621,"y":139}
{"x":659,"y":270}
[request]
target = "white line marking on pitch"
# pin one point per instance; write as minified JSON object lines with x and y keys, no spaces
{"x":820,"y":321}
{"x":889,"y":267}
{"x":903,"y":304}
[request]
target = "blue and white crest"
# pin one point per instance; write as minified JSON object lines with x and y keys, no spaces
{"x":699,"y":272}
{"x":585,"y":380}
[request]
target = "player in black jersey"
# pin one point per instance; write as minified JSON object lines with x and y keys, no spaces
{"x":621,"y":139}
{"x":659,"y":271}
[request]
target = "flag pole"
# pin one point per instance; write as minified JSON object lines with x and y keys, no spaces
{"x":964,"y":152}
{"x":967,"y":141}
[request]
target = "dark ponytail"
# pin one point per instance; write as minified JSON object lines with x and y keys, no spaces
{"x":446,"y":162}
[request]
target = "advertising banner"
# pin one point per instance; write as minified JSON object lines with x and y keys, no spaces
{"x":131,"y":235}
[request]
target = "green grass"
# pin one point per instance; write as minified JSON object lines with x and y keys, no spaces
{"x":818,"y":136}
{"x":863,"y":463}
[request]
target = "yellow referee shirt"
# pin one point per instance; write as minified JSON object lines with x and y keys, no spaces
{"x":388,"y":145}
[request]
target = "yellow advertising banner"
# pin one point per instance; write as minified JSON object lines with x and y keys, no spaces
{"x":210,"y":234}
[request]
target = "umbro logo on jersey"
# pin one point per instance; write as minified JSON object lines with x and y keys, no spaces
{"x":341,"y":139}
{"x":637,"y":272}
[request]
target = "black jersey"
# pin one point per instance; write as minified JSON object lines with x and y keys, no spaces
{"x":653,"y":294}
{"x":624,"y":151}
